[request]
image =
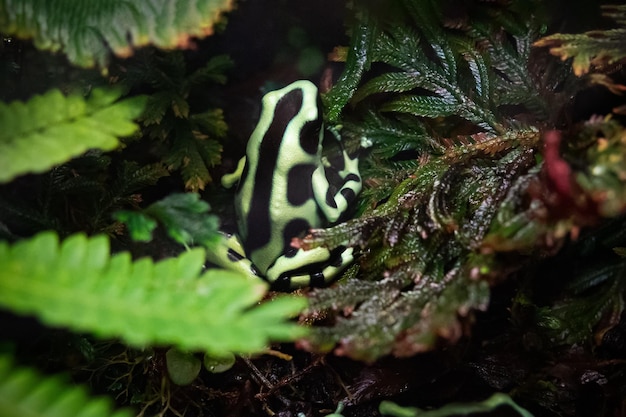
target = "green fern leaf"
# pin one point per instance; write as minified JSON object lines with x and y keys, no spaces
{"x":508,"y":58}
{"x":391,"y":136}
{"x":212,"y":122}
{"x":87,"y":34}
{"x":401,"y":46}
{"x":24,"y":392}
{"x":470,"y":71}
{"x":387,"y":48}
{"x":139,"y":225}
{"x":426,"y":15}
{"x":398,"y":82}
{"x":156,"y":107}
{"x":185,"y":217}
{"x":210,"y":151}
{"x":133,"y":177}
{"x":190,"y":139}
{"x":426,"y":106}
{"x":594,"y":48}
{"x":365,"y":31}
{"x":192,"y":153}
{"x":213,"y":71}
{"x":52,"y":128}
{"x":480,"y":72}
{"x":77,"y":284}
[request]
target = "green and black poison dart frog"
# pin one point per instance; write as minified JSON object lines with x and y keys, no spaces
{"x":285,"y":189}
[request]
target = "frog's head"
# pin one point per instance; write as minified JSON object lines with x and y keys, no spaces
{"x":295,"y":121}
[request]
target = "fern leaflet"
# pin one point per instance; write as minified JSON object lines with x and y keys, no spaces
{"x":358,"y":61}
{"x":79,"y":285}
{"x":595,"y":49}
{"x":24,"y":392}
{"x":191,"y":140}
{"x":52,"y":128}
{"x":184,"y":216}
{"x":87,"y":34}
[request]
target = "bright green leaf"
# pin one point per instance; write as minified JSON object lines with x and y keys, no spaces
{"x":77,"y":284}
{"x":51,"y":129}
{"x":24,"y":392}
{"x":186,"y":219}
{"x":139,"y":225}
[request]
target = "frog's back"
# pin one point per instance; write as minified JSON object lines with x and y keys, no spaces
{"x":275,"y":199}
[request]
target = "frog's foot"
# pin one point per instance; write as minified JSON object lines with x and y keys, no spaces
{"x":230,"y":255}
{"x":317,"y":267}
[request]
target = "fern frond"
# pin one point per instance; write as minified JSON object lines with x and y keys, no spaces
{"x":514,"y":83}
{"x":77,"y":284}
{"x":193,"y":154}
{"x":572,"y":320}
{"x":88,"y":34}
{"x":190,"y":139}
{"x":25,"y":392}
{"x":426,"y":15}
{"x":596,"y":48}
{"x":479,"y":68}
{"x":425,"y":106}
{"x":184,"y":216}
{"x":156,"y":107}
{"x":438,"y":75}
{"x":365,"y":31}
{"x":122,"y":191}
{"x":212,"y":71}
{"x":401,"y":47}
{"x":132,"y":177}
{"x":52,"y":128}
{"x":17,"y":214}
{"x":391,"y":135}
{"x":398,"y":82}
{"x":423,"y":267}
{"x":212,"y":122}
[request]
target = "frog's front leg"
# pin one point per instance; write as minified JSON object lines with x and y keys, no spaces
{"x":228,"y":180}
{"x":315,"y":267}
{"x":229,"y":254}
{"x":334,"y":201}
{"x":297,"y":268}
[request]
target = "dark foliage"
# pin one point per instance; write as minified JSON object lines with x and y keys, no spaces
{"x":490,"y":233}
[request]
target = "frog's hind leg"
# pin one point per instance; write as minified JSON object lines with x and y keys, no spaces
{"x":316,"y":267}
{"x":337,"y":181}
{"x":334,"y":200}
